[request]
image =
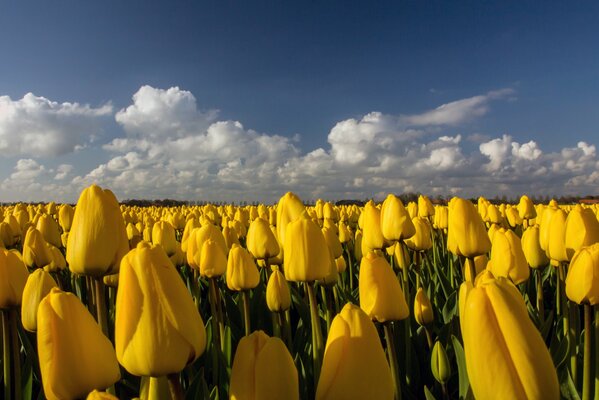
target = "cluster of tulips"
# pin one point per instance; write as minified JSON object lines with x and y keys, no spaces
{"x":290,"y":301}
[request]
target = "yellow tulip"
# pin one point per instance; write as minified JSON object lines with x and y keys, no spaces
{"x":582,"y":281}
{"x":36,"y":253}
{"x":440,"y":366}
{"x":242,"y":273}
{"x":381,"y":296}
{"x":513,"y":218}
{"x":340,"y":264}
{"x":507,"y":257}
{"x":526,"y":208}
{"x":212,"y":261}
{"x":441,"y":217}
{"x":65,"y":217}
{"x":332,"y":242}
{"x":344,"y":233}
{"x":412,"y":209}
{"x":423,"y":309}
{"x":422,"y":239}
{"x":493,"y":215}
{"x":544,"y":227}
{"x":38,"y":285}
{"x":556,"y":244}
{"x":74,"y":355}
{"x":49,"y":229}
{"x":196,"y":241}
{"x":278,"y":296}
{"x":261,"y":241}
{"x":354,"y":364}
{"x":531,"y":245}
{"x":467,"y":235}
{"x":425,"y":207}
{"x":263,"y":369}
{"x":95,"y":395}
{"x":289,"y":208}
{"x":307,"y":256}
{"x":358,"y":245}
{"x":158,"y":329}
{"x":190,"y":225}
{"x":163,"y":233}
{"x":480,"y":263}
{"x":13,"y":276}
{"x":372,"y":235}
{"x":97,"y":239}
{"x":395,"y":222}
{"x":582,"y":229}
{"x":506,"y":356}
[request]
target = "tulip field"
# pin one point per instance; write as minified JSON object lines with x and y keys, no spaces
{"x":383,"y":300}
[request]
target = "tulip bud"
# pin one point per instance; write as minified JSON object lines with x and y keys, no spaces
{"x":278,"y":296}
{"x":97,"y":240}
{"x":7,"y":238}
{"x":358,"y":245}
{"x":261,"y":241}
{"x":196,"y":241}
{"x":556,"y":248}
{"x":191,"y":224}
{"x":332,"y":242}
{"x":340,"y":264}
{"x":35,"y":251}
{"x":493,"y":215}
{"x":163,"y":233}
{"x":513,"y":218}
{"x":253,"y":375}
{"x":544,"y":226}
{"x":440,"y":363}
{"x":467,"y":235}
{"x":95,"y":395}
{"x":212,"y":260}
{"x":441,"y":217}
{"x":582,"y":229}
{"x":526,"y":208}
{"x":425,"y":207}
{"x":582,"y":286}
{"x":38,"y":285}
{"x":354,"y":364}
{"x":242,"y":273}
{"x":71,"y":345}
{"x":111,"y":280}
{"x":506,"y":356}
{"x":395,"y":222}
{"x":65,"y":217}
{"x":423,"y":309}
{"x":531,"y":245}
{"x":507,"y":257}
{"x":480,"y":263}
{"x":372,"y":238}
{"x":344,"y":233}
{"x":49,"y":230}
{"x":13,"y":276}
{"x":158,"y":329}
{"x":412,"y":209}
{"x":401,"y":258}
{"x":381,"y":296}
{"x":307,"y":257}
{"x":422,"y":239}
{"x":289,"y":208}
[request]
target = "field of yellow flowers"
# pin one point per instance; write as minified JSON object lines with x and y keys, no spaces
{"x":288,"y":301}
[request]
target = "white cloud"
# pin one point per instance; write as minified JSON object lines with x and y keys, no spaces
{"x":171,"y":149}
{"x":37,"y":126}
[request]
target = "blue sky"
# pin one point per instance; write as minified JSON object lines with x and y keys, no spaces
{"x":247,"y":100}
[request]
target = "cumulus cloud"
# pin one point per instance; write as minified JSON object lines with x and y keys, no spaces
{"x":170,"y":148}
{"x":37,"y":126}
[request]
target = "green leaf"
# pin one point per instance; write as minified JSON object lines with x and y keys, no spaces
{"x":567,"y":386}
{"x":460,"y":357}
{"x":560,"y":350}
{"x":428,"y":394}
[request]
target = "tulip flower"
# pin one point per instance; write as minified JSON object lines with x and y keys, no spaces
{"x":307,"y":257}
{"x":526,"y":208}
{"x":36,"y":253}
{"x":422,"y":239}
{"x":253,"y":375}
{"x":507,"y":257}
{"x":354,"y":365}
{"x":440,"y":366}
{"x":556,"y":244}
{"x":50,"y":230}
{"x":423,"y":309}
{"x":412,"y":209}
{"x":196,"y":241}
{"x":7,"y":238}
{"x":278,"y":296}
{"x":372,"y":234}
{"x":441,"y":217}
{"x":531,"y":245}
{"x":467,"y":235}
{"x":95,"y":395}
{"x":381,"y":296}
{"x":582,"y":229}
{"x":261,"y":241}
{"x":163,"y":233}
{"x":425,"y":207}
{"x":332,"y":242}
{"x":13,"y":276}
{"x":158,"y":329}
{"x":65,"y":217}
{"x":289,"y":208}
{"x":506,"y":356}
{"x":395,"y":221}
{"x":242,"y":273}
{"x":97,"y":239}
{"x":544,"y":227}
{"x":74,"y":355}
{"x":513,"y":218}
{"x":582,"y":281}
{"x":38,"y":285}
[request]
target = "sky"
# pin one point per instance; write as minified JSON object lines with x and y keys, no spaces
{"x":246,"y":100}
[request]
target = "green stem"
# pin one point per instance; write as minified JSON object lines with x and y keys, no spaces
{"x":429,"y":337}
{"x":472,"y":266}
{"x":154,"y":388}
{"x":245,"y":295}
{"x":100,"y":297}
{"x":16,"y":352}
{"x":287,"y":329}
{"x":350,"y":269}
{"x":392,"y":355}
{"x":317,"y":345}
{"x":586,"y":372}
{"x":540,"y":303}
{"x":327,"y":301}
{"x":6,"y":353}
{"x":175,"y":388}
{"x":216,"y":339}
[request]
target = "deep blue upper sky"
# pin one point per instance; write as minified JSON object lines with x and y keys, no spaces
{"x":298,"y":67}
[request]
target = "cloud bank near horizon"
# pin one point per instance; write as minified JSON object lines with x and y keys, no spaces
{"x":168,"y":147}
